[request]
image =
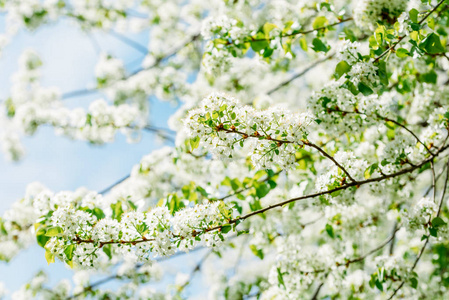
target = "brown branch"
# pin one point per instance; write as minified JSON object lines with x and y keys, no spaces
{"x":79,"y":240}
{"x":345,"y":186}
{"x":299,"y":32}
{"x":408,"y":130}
{"x":325,"y":154}
{"x":379,"y":117}
{"x":280,"y":142}
{"x":317,"y":291}
{"x":239,"y":219}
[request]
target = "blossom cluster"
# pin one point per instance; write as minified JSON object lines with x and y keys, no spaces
{"x":109,"y":69}
{"x":336,"y":221}
{"x":421,"y":213}
{"x":223,"y":125}
{"x":335,"y":177}
{"x":31,"y":106}
{"x":296,"y":268}
{"x":165,"y":83}
{"x":16,"y":224}
{"x":82,"y":234}
{"x":368,"y":13}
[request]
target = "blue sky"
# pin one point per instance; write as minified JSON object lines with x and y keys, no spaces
{"x":69,"y":57}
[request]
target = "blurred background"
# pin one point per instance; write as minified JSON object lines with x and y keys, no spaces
{"x":69,"y":56}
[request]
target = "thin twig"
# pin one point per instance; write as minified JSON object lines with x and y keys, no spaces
{"x":135,"y":45}
{"x":317,"y":291}
{"x":195,"y":270}
{"x":280,"y":142}
{"x":104,"y":191}
{"x":325,"y":154}
{"x":379,"y":117}
{"x":301,"y":32}
{"x":169,"y":54}
{"x":299,"y":74}
{"x":395,"y":229}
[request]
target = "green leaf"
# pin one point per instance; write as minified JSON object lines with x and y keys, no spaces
{"x":2,"y":227}
{"x":303,"y":44}
{"x":320,"y":22}
{"x":433,"y":232}
{"x":280,"y":277}
{"x":262,"y":189}
{"x":257,"y":252}
{"x":402,"y":52}
{"x":226,"y":228}
{"x":371,"y":281}
{"x":224,"y":211}
{"x":373,"y":42}
{"x":382,"y":72}
{"x":132,"y":205}
{"x":391,"y":134}
{"x":379,"y":285}
{"x":107,"y":249}
{"x":173,"y":203}
{"x":98,"y":213}
{"x":413,"y":15}
{"x":54,"y":231}
{"x":367,"y":173}
{"x":342,"y":68}
{"x":195,"y":142}
{"x":414,"y":282}
{"x":438,"y":222}
{"x":351,"y":87}
{"x":370,"y":170}
{"x":49,"y":257}
{"x":117,"y":210}
{"x":349,"y":34}
{"x":41,"y":237}
{"x":259,"y":45}
{"x":68,"y":251}
{"x":202,"y":191}
{"x":267,"y":28}
{"x":432,"y":44}
{"x":238,"y":207}
{"x":319,"y":46}
{"x":431,"y":23}
{"x":142,"y":228}
{"x":242,"y":232}
{"x":330,"y":230}
{"x":430,"y":77}
{"x":364,"y":89}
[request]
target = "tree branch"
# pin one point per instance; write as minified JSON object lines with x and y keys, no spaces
{"x":142,"y":49}
{"x":294,"y":33}
{"x":169,"y":54}
{"x":379,"y":117}
{"x":300,"y":74}
{"x":280,"y":142}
